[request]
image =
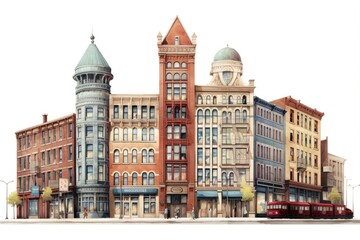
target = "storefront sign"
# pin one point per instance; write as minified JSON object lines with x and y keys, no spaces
{"x":135,"y":191}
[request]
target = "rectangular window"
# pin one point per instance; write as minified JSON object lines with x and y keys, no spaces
{"x":89,"y":172}
{"x":214,"y":156}
{"x":43,"y":137}
{"x":207,"y":176}
{"x":100,"y":151}
{"x":60,"y":132}
{"x":144,"y":114}
{"x":183,"y":91}
{"x":183,"y":112}
{"x":152,"y":112}
{"x":125,"y":112}
{"x":183,"y":153}
{"x":176,"y":172}
{"x":89,"y":151}
{"x":199,"y":156}
{"x":134,"y":112}
{"x":101,"y":113}
{"x":200,"y":136}
{"x":70,"y":129}
{"x":70,"y":152}
{"x":176,"y":152}
{"x":199,"y":176}
{"x":60,"y":154}
{"x":183,"y":172}
{"x":169,"y":91}
{"x":101,"y":173}
{"x":176,"y":91}
{"x":315,"y":126}
{"x":214,"y":176}
{"x":79,"y":116}
{"x":116,"y":112}
{"x":207,"y":156}
{"x":100,"y":131}
{"x":89,"y":131}
{"x":168,"y":152}
{"x":70,"y":176}
{"x":176,"y":132}
{"x":48,"y":157}
{"x":207,"y":136}
{"x":168,"y":172}
{"x":214,"y":136}
{"x":88,"y":113}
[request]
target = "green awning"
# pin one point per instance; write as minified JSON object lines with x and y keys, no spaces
{"x":206,"y":194}
{"x":231,"y":194}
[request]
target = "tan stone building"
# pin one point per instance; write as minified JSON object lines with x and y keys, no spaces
{"x":303,"y":151}
{"x":224,"y":138}
{"x":332,"y":172}
{"x":134,"y":170}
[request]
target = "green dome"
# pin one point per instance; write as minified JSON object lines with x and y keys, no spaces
{"x":227,"y":54}
{"x":92,"y":60}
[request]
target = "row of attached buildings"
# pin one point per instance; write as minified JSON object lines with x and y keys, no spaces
{"x":188,"y":147}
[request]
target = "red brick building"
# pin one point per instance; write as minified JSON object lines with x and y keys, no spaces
{"x":177,"y":114}
{"x":45,"y":154}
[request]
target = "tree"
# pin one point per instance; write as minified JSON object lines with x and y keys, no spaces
{"x":247,"y":193}
{"x":46,"y":195}
{"x":334,"y":196}
{"x":14,"y":200}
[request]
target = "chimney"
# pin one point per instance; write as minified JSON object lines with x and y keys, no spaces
{"x":44,"y":118}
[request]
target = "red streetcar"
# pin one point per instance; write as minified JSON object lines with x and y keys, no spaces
{"x":285,"y":209}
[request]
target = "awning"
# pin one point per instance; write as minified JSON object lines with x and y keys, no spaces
{"x":233,"y":194}
{"x":206,"y":194}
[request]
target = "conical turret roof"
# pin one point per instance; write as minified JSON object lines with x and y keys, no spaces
{"x":92,"y":60}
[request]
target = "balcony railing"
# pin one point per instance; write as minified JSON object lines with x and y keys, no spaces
{"x":301,"y":164}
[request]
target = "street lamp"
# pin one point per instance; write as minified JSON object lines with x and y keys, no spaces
{"x":120,"y":217}
{"x":6,"y":202}
{"x":353,"y":187}
{"x":346,"y":188}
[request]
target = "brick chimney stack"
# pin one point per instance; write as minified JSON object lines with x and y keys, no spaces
{"x":44,"y":118}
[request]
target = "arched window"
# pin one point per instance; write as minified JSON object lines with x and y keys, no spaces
{"x":116,"y":156}
{"x":231,"y":178}
{"x":151,"y":134}
{"x":184,"y":76}
{"x":223,"y":179}
{"x":208,"y":99}
{"x":176,"y":76}
{"x":237,"y":116}
{"x":151,"y":156}
{"x":151,"y":178}
{"x":238,"y":100}
{"x":125,"y":153}
{"x":224,"y":99}
{"x":168,"y":65}
{"x":134,"y":179}
{"x":125,"y":134}
{"x":144,"y":134}
{"x":116,"y":134}
{"x":176,"y":64}
{"x":144,"y":156}
{"x":200,"y":117}
{"x":214,"y":100}
{"x":200,"y":100}
{"x":231,"y":99}
{"x":183,"y":65}
{"x":116,"y":179}
{"x":207,"y":116}
{"x":125,"y":179}
{"x":224,"y":117}
{"x":144,"y":179}
{"x":244,"y":99}
{"x":169,"y":76}
{"x":134,"y":134}
{"x":244,"y":116}
{"x":134,"y":156}
{"x":214,"y":116}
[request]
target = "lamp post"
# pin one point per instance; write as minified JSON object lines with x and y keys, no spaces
{"x":120,"y":217}
{"x":6,"y":201}
{"x":346,"y":188}
{"x":353,"y":187}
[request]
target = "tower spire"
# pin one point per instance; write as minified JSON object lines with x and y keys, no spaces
{"x":92,"y":37}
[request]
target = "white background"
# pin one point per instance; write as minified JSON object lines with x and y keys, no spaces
{"x":306,"y":49}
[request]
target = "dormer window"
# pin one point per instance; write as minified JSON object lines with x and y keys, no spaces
{"x":177,"y":40}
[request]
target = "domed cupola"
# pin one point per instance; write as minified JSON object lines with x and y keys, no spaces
{"x":226,"y":69}
{"x":227,"y":53}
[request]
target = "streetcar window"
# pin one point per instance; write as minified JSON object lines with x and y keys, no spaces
{"x":284,"y":207}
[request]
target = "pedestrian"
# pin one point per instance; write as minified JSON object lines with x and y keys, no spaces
{"x":166,"y":212}
{"x":193,"y":214}
{"x":85,"y":213}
